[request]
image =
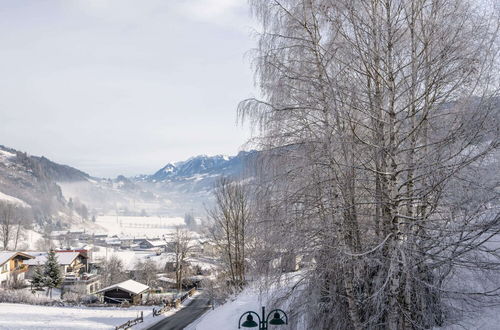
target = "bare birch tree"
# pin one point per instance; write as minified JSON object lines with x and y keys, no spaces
{"x":230,"y":217}
{"x":376,"y":115}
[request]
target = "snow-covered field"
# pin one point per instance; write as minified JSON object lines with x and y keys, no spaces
{"x":153,"y":226}
{"x":33,"y":317}
{"x":20,"y":316}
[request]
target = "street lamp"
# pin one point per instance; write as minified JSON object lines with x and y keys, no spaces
{"x":276,"y":320}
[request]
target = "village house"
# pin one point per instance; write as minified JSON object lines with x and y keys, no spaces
{"x":126,"y":242}
{"x":166,"y":283}
{"x":87,"y":282}
{"x":128,"y":291}
{"x":74,"y":267}
{"x":208,"y":247}
{"x":76,"y":233}
{"x":138,"y":239}
{"x":99,"y":238}
{"x":74,"y":262}
{"x":12,"y":267}
{"x":59,"y":234}
{"x":152,"y":244}
{"x":112,"y":242}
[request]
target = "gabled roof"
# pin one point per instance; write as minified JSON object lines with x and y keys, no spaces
{"x":129,"y":286}
{"x":63,"y":258}
{"x":155,"y":242}
{"x":7,"y":255}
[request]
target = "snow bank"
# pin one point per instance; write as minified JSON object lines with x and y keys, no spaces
{"x":226,"y":317}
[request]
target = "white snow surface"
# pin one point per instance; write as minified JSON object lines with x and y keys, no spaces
{"x":22,"y":316}
{"x":63,"y":258}
{"x":6,"y":154}
{"x":131,"y":226}
{"x":12,"y":199}
{"x":226,"y":317}
{"x":4,"y":256}
{"x":129,"y":286}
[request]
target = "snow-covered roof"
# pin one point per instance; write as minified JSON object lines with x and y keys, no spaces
{"x":112,"y":240}
{"x":156,"y":242}
{"x":77,"y":231}
{"x":130,"y":286}
{"x":166,"y":279}
{"x":7,"y":255}
{"x":63,"y":258}
{"x":56,"y":233}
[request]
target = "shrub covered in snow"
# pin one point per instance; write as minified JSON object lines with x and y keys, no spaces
{"x":25,"y":297}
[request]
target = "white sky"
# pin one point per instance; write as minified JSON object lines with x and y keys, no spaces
{"x":123,"y":86}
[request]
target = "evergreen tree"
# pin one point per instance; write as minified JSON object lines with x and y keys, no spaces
{"x":38,"y":280}
{"x":52,"y":273}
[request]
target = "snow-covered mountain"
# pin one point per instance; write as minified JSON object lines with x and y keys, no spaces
{"x":33,"y":181}
{"x":175,"y":189}
{"x":202,"y":166}
{"x":187,"y":185}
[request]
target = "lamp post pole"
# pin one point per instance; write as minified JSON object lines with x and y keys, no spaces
{"x":277,"y":319}
{"x":264,"y":323}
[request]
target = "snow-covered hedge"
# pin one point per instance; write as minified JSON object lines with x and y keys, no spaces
{"x":26,"y":297}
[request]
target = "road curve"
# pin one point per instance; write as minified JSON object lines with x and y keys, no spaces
{"x":185,"y":316}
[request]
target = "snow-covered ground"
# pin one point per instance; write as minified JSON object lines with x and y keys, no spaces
{"x":252,"y":298}
{"x":12,"y":199}
{"x":226,"y":316}
{"x":21,"y":316}
{"x":152,"y":226}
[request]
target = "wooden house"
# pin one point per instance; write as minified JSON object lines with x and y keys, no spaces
{"x":128,"y":291}
{"x":71,"y":262}
{"x":12,"y":266}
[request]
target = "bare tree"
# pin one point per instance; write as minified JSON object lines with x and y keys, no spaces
{"x":375,"y":116}
{"x":13,"y":218}
{"x":181,"y":246}
{"x":145,"y":272}
{"x":231,"y":216}
{"x":112,"y":271}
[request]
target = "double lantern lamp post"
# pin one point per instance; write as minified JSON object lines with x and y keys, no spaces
{"x":277,"y":319}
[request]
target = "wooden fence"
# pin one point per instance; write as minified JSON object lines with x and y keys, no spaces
{"x":174,"y":304}
{"x":131,"y":323}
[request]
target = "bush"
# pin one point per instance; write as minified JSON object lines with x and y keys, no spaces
{"x":25,"y":297}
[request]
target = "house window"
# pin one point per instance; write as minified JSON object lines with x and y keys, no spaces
{"x":4,"y":267}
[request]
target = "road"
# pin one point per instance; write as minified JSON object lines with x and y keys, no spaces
{"x":185,"y":316}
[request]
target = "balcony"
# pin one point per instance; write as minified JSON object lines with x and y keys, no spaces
{"x":22,"y":268}
{"x":86,"y":278}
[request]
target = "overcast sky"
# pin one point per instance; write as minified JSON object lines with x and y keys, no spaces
{"x":123,"y":86}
